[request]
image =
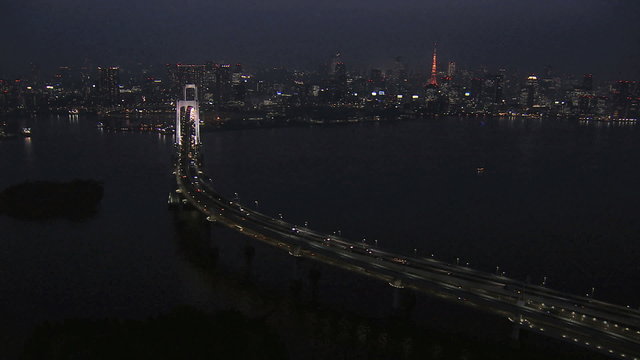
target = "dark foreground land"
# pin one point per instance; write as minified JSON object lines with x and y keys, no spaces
{"x":75,"y":200}
{"x":188,"y":333}
{"x":184,"y":333}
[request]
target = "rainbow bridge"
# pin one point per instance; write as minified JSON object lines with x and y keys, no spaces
{"x":599,"y":326}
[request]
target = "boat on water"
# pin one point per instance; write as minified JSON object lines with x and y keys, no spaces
{"x":26,"y":131}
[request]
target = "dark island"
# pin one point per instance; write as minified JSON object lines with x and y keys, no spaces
{"x":75,"y":200}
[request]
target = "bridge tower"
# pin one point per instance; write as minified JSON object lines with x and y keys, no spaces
{"x":189,"y":106}
{"x":187,"y":140}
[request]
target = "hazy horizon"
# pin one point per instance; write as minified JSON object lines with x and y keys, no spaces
{"x":573,"y":36}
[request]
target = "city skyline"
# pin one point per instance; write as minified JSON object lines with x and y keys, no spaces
{"x":278,"y":94}
{"x":579,"y":37}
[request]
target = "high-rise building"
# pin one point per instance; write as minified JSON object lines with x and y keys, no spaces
{"x":587,"y":82}
{"x":399,"y":70}
{"x":339,"y":80}
{"x":35,"y":74}
{"x":183,"y":74}
{"x":451,"y":69}
{"x":530,"y":92}
{"x":108,"y":85}
{"x":63,"y":78}
{"x":340,"y":71}
{"x":337,"y":59}
{"x":399,"y":77}
{"x":209,"y":81}
{"x":624,"y":96}
{"x":223,"y":87}
{"x":476,"y":88}
{"x":237,"y":84}
{"x":498,"y":82}
{"x":376,"y":79}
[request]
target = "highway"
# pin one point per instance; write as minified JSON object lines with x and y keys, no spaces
{"x":607,"y":328}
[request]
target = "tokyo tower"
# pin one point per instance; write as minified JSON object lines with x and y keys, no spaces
{"x":433,"y":80}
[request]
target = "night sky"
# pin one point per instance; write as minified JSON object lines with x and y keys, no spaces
{"x":574,"y":36}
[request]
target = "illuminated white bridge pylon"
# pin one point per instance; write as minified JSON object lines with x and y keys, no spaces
{"x":188,"y":104}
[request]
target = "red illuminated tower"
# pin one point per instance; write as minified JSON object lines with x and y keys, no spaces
{"x":433,"y":80}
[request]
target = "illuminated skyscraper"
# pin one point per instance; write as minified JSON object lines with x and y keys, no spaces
{"x":183,"y":74}
{"x":237,"y":84}
{"x":451,"y":69}
{"x":340,"y":81}
{"x":108,"y":85}
{"x":529,"y":93}
{"x":399,"y":77}
{"x":224,"y":87}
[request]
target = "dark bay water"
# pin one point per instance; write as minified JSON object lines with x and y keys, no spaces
{"x":556,"y":199}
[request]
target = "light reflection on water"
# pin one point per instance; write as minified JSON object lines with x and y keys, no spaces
{"x":28,"y":149}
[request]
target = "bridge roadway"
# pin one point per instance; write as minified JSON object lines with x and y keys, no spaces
{"x":603,"y":327}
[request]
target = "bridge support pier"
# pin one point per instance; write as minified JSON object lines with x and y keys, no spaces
{"x":396,"y":299}
{"x":174,"y":200}
{"x":296,"y":280}
{"x":515,"y":333}
{"x":314,"y":279}
{"x":403,"y":300}
{"x":517,"y":324}
{"x":397,"y":286}
{"x":249,"y":254}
